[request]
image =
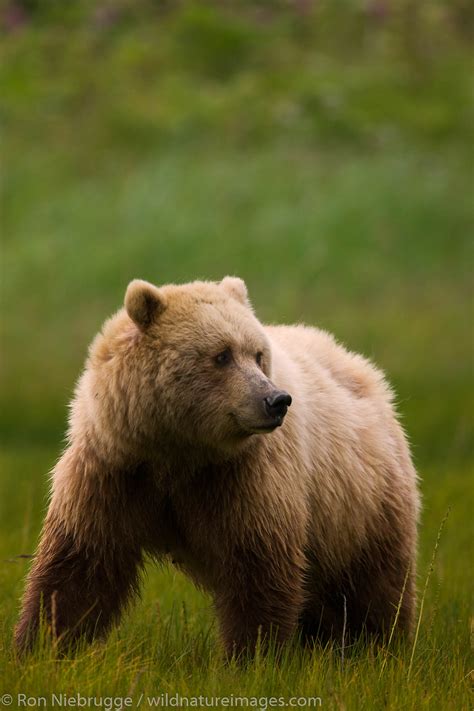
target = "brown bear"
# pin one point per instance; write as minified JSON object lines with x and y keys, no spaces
{"x":265,"y":461}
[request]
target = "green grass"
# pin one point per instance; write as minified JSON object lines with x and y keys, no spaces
{"x":167,"y":642}
{"x":189,"y":146}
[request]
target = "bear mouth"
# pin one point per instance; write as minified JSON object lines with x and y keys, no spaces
{"x":266,"y":427}
{"x":261,"y":429}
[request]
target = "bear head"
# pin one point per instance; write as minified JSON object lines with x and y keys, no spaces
{"x":181,"y":366}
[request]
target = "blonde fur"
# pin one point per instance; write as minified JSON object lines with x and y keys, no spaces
{"x":165,"y":457}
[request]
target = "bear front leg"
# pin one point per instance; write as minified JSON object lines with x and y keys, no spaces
{"x":260,"y":600}
{"x":88,"y":561}
{"x":79,"y":590}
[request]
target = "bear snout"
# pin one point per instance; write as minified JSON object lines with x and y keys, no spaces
{"x":264,"y":413}
{"x":274,"y":406}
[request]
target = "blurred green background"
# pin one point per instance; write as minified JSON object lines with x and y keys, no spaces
{"x":320,"y":150}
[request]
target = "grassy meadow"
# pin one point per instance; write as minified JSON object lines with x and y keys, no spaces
{"x":323,"y":156}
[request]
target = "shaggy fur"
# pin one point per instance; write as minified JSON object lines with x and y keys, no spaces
{"x":302,"y":528}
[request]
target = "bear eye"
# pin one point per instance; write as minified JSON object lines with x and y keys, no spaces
{"x":259,"y":358}
{"x":223,"y":358}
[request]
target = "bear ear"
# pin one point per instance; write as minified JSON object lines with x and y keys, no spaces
{"x":144,"y":302}
{"x":236,"y":288}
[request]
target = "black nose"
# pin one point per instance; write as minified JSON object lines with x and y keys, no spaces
{"x":277,"y":403}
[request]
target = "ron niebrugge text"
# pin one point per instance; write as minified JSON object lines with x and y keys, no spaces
{"x":115,"y":703}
